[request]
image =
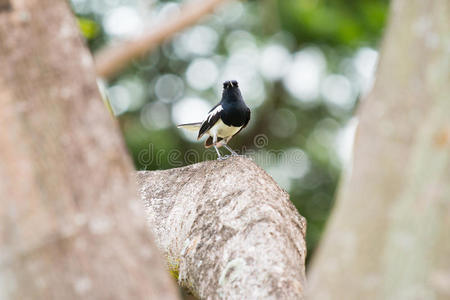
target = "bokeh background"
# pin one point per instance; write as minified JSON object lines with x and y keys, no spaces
{"x":302,"y":65}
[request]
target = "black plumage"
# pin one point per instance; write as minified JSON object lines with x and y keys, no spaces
{"x":224,"y":120}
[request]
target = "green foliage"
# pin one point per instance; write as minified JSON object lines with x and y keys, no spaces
{"x":337,"y":23}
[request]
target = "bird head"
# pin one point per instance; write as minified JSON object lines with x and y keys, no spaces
{"x":231,"y":91}
{"x":230,"y":84}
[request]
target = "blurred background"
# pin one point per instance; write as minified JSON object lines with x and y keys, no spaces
{"x":302,"y":65}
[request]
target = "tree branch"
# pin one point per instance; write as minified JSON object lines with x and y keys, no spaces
{"x":389,"y":231}
{"x":227,"y":229}
{"x":111,"y":60}
{"x":71,"y":224}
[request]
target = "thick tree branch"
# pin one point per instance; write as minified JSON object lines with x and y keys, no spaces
{"x":389,"y":233}
{"x":227,"y":229}
{"x":111,"y":60}
{"x":71,"y":224}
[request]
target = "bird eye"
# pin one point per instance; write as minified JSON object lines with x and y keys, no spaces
{"x":226,"y":84}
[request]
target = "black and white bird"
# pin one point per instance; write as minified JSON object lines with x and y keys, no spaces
{"x":224,"y":120}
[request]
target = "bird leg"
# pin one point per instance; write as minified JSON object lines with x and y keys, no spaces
{"x":231,"y":150}
{"x":219,"y":156}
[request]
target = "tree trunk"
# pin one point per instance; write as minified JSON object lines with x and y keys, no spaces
{"x":227,"y":230}
{"x":71,"y":226}
{"x":388,"y":237}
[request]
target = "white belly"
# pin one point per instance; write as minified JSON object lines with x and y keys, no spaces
{"x":222,"y":130}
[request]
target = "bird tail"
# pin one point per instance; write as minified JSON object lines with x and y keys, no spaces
{"x":191,"y":126}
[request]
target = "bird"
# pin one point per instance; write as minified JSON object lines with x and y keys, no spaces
{"x":224,"y":120}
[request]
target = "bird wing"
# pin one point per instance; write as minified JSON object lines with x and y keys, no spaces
{"x":247,"y":119}
{"x":211,"y":119}
{"x":191,"y":126}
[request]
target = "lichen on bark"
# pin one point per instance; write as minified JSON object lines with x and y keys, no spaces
{"x":228,"y":229}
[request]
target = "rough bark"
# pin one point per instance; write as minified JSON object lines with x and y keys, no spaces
{"x":227,"y":230}
{"x":388,"y":237}
{"x":71,"y":226}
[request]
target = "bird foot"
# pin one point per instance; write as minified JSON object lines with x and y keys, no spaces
{"x":225,"y":157}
